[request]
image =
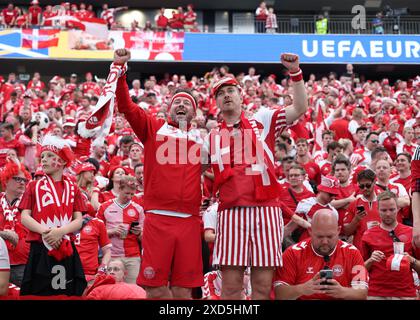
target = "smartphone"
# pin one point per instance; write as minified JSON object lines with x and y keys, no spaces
{"x":360,"y":208}
{"x":326,"y":274}
{"x":134,"y":224}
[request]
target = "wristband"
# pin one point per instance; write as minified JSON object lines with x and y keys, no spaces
{"x":297,"y":76}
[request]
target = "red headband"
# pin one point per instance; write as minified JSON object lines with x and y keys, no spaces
{"x":184,"y":95}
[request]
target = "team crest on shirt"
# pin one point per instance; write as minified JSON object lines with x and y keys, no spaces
{"x":149,"y":273}
{"x":131,"y":213}
{"x":337,"y":270}
{"x":87,"y":229}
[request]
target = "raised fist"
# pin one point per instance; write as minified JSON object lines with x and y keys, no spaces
{"x":290,"y":61}
{"x":121,"y":56}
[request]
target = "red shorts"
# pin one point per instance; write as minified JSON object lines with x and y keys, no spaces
{"x":171,"y":252}
{"x":249,"y":236}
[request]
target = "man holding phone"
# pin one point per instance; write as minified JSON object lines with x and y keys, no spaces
{"x":322,"y":267}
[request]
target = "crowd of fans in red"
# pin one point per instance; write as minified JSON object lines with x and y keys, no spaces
{"x":368,"y":124}
{"x":37,"y":17}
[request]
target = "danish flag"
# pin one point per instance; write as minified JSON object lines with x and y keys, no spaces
{"x":39,"y":39}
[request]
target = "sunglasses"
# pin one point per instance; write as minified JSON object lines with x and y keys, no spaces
{"x":20,"y":179}
{"x":374,"y":141}
{"x":365,"y":186}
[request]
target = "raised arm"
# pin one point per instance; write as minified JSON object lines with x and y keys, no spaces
{"x":300,"y":99}
{"x":140,"y":121}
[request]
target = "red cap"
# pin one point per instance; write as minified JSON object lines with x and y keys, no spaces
{"x":329,"y":184}
{"x":83,"y":167}
{"x":112,"y":170}
{"x":69,"y":122}
{"x":225,"y":81}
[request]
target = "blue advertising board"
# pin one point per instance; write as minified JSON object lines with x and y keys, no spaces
{"x":395,"y":49}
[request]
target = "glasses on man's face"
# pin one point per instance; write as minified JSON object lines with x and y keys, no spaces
{"x":374,"y":141}
{"x":365,"y":186}
{"x":110,"y":269}
{"x":20,"y":179}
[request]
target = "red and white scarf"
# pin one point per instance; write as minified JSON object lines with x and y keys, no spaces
{"x":99,"y":122}
{"x":261,"y":167}
{"x":51,"y":210}
{"x":10,"y":220}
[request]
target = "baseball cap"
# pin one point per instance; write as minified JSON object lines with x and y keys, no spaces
{"x":329,"y":184}
{"x":85,"y":166}
{"x":73,"y":75}
{"x":225,"y":81}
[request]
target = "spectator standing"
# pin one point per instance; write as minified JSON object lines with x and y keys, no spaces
{"x":123,"y":219}
{"x":271,"y":21}
{"x":172,"y":220}
{"x":108,"y":14}
{"x":161,"y":20}
{"x":9,"y":15}
{"x":190,"y":18}
{"x":14,"y":178}
{"x":378,"y":24}
{"x":243,"y":191}
{"x":261,"y":17}
{"x":35,"y":13}
{"x":389,"y":254}
{"x":52,"y":210}
{"x":321,"y":25}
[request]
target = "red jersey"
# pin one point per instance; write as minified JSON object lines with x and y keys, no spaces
{"x":5,"y":146}
{"x":344,"y":192}
{"x":90,"y":85}
{"x":340,"y":127}
{"x":88,"y":241}
{"x":47,"y":15}
{"x":313,"y":171}
{"x":384,"y":282}
{"x":390,"y":143}
{"x":190,"y":17}
{"x":307,"y":208}
{"x":301,"y":263}
{"x":10,"y":219}
{"x":325,"y":167}
{"x":369,"y":221}
{"x":8,"y":15}
{"x":290,"y":202}
{"x":113,"y":214}
{"x":35,"y":11}
{"x":162,"y":21}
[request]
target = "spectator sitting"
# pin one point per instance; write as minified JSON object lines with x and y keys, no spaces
{"x":300,"y":276}
{"x":111,"y":286}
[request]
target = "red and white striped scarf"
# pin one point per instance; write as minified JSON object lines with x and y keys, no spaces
{"x":262,"y":169}
{"x":99,"y":122}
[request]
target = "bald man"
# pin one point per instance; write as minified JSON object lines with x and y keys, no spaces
{"x":300,"y":276}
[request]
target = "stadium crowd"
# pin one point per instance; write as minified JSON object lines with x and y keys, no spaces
{"x":59,"y":16}
{"x":342,"y":173}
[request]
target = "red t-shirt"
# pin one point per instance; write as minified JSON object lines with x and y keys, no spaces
{"x":5,"y":146}
{"x":28,"y":202}
{"x":313,"y":171}
{"x":88,"y":241}
{"x":8,"y":15}
{"x":340,"y":127}
{"x":384,"y":282}
{"x":288,"y":200}
{"x":369,"y":221}
{"x":344,"y":192}
{"x":19,"y":254}
{"x":301,"y":263}
{"x":35,"y":11}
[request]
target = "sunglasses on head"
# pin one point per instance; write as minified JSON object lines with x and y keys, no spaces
{"x":365,"y":186}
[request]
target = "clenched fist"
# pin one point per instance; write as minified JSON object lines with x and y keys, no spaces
{"x":290,"y":61}
{"x":121,"y":56}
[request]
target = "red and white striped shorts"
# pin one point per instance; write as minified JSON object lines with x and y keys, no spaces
{"x":249,"y":236}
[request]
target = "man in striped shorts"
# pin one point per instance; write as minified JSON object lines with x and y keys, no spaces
{"x":250,"y":225}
